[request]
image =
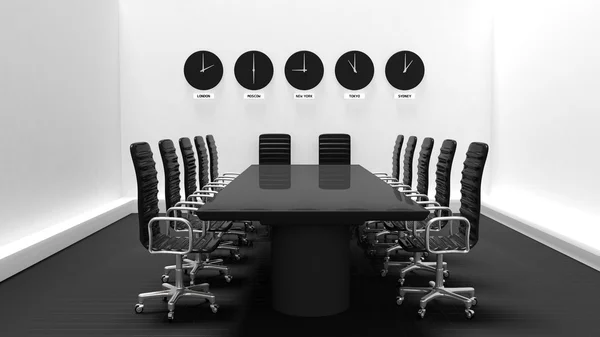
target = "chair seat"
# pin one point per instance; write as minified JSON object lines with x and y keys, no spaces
{"x":214,"y":226}
{"x":206,"y":244}
{"x":437,"y":242}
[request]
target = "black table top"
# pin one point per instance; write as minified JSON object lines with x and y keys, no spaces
{"x":346,"y":194}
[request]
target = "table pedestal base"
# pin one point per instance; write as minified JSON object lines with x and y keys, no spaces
{"x":311,"y":269}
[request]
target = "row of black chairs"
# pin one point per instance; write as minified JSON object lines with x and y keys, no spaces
{"x":436,"y":234}
{"x":190,"y":239}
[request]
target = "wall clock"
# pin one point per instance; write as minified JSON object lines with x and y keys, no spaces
{"x":404,"y":70}
{"x":304,"y":70}
{"x":253,"y":70}
{"x":203,"y":70}
{"x":354,"y":70}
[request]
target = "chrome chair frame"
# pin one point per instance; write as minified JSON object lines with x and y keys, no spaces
{"x":172,"y":293}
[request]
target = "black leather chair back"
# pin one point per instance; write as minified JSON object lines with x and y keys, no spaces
{"x":470,"y":201}
{"x":214,"y":157}
{"x":274,"y":149}
{"x":443,"y":172}
{"x":203,"y":173}
{"x":409,"y":153}
{"x":147,"y":188}
{"x":171,"y":168}
{"x":189,"y":166}
{"x":334,"y":149}
{"x":396,"y":157}
{"x":423,"y":166}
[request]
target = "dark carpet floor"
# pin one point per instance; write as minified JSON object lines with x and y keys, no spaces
{"x":89,"y":289}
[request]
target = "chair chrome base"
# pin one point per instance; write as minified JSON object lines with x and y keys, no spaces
{"x":197,"y":264}
{"x":415,"y":263}
{"x":437,"y":289}
{"x":172,"y":293}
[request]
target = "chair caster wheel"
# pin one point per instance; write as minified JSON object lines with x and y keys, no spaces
{"x":469,"y":313}
{"x":164,"y":278}
{"x":228,"y":278}
{"x":446,"y":274}
{"x":139,"y":308}
{"x":399,"y":300}
{"x":425,"y":254}
{"x":432,"y":284}
{"x":237,"y":257}
{"x":421,"y":313}
{"x":401,"y":282}
{"x":473,"y":301}
{"x":383,"y":272}
{"x":214,"y":307}
{"x":171,"y":316}
{"x":411,"y":259}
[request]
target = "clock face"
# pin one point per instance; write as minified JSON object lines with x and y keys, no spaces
{"x":304,"y":70}
{"x":203,"y":70}
{"x":404,"y":70}
{"x":354,"y":70}
{"x":253,"y":70}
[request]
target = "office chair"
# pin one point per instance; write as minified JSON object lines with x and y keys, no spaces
{"x":224,"y":178}
{"x":442,"y":198}
{"x":173,"y":199}
{"x":395,"y":175}
{"x":274,"y":149}
{"x":334,"y":149}
{"x":451,"y":243}
{"x":392,"y":227}
{"x":160,"y":243}
{"x":409,"y":154}
{"x":218,"y":182}
{"x":375,"y":226}
{"x":189,"y":161}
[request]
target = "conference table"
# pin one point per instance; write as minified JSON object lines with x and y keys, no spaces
{"x":310,"y":209}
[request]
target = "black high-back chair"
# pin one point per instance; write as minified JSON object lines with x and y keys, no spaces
{"x":214,"y":163}
{"x":203,"y":169}
{"x":274,"y":149}
{"x":395,"y":176}
{"x":442,"y":198}
{"x":409,"y":154}
{"x":334,"y":149}
{"x":172,"y":200}
{"x":160,"y":243}
{"x":454,"y":242}
{"x":189,"y":164}
{"x":422,"y":171}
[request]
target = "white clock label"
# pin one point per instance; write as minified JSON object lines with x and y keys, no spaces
{"x":254,"y":95}
{"x":304,"y":95}
{"x":404,"y":95}
{"x":204,"y":95}
{"x":354,"y":95}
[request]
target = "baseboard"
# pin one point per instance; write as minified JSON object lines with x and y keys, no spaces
{"x":27,"y":251}
{"x":581,"y":253}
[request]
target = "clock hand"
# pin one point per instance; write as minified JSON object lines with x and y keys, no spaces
{"x":406,"y":68}
{"x":302,"y":70}
{"x":202,"y":63}
{"x":253,"y":70}
{"x":353,"y":68}
{"x":404,"y":63}
{"x":210,"y":66}
{"x":354,"y":63}
{"x":304,"y":62}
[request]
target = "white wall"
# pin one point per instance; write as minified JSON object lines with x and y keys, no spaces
{"x":453,"y":101}
{"x":59,"y":100}
{"x":545,"y":116}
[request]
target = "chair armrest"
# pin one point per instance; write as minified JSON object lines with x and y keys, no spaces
{"x":419,"y":196}
{"x":215,"y":184}
{"x":188,"y":203}
{"x":448,"y":218}
{"x":429,"y":202}
{"x":381,"y":174}
{"x":229,"y":174}
{"x":164,"y":218}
